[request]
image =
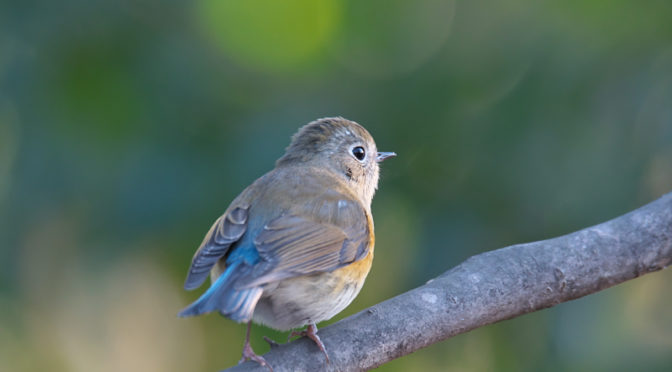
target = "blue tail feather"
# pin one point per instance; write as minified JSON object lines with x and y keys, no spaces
{"x":237,"y":304}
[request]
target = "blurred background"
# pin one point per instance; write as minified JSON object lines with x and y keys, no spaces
{"x":126,"y":128}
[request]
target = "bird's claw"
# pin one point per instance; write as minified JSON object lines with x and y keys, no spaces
{"x":311,"y":333}
{"x":249,"y":354}
{"x":271,"y":342}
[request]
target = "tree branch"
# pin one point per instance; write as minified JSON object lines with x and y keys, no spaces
{"x":487,"y":288}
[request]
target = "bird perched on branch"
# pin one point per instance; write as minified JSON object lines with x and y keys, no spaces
{"x":294,"y":248}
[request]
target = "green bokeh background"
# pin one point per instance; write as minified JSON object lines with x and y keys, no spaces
{"x":126,"y":128}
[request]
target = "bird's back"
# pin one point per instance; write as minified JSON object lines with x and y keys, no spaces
{"x":300,"y":300}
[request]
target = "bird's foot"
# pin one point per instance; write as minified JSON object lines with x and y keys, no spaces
{"x":311,"y":333}
{"x":249,"y":354}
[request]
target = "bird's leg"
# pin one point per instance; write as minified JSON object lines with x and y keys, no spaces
{"x":311,"y":333}
{"x":248,"y":353}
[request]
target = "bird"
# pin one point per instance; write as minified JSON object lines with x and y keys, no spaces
{"x":294,"y":248}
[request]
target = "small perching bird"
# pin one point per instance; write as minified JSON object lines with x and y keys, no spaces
{"x":295,"y":247}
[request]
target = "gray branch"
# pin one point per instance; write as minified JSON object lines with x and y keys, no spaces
{"x":488,"y":288}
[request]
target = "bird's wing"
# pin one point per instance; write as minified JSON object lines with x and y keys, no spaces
{"x":294,"y":245}
{"x":225,"y":231}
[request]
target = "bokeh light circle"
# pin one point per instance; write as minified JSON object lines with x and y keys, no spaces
{"x":269,"y":35}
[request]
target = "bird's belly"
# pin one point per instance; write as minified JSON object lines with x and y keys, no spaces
{"x":295,"y":302}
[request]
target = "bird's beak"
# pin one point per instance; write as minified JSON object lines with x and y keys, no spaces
{"x":384,"y":155}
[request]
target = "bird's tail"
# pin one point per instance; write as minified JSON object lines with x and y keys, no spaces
{"x":236,"y":304}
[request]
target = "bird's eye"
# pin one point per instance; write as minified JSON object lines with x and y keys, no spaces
{"x":359,"y":153}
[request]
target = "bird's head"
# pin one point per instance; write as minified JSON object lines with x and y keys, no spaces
{"x":341,"y":146}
